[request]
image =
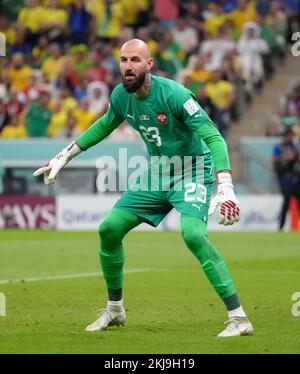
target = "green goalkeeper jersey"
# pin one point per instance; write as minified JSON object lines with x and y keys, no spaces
{"x":170,"y":120}
{"x":167,"y":118}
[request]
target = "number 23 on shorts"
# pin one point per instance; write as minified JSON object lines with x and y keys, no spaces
{"x":195,"y":192}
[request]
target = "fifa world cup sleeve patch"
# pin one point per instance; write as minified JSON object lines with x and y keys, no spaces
{"x":191,"y":107}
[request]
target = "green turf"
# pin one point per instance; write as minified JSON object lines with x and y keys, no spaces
{"x":171,"y":310}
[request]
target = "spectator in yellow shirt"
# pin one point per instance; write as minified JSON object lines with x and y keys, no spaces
{"x":144,"y":34}
{"x":222,"y":95}
{"x":54,"y":21}
{"x":220,"y":91}
{"x":109,"y":17}
{"x":134,"y":12}
{"x":15,"y":129}
{"x":7,"y":30}
{"x":58,"y":119}
{"x":53,"y":64}
{"x":40,"y":52}
{"x":80,"y":59}
{"x":215,"y":21}
{"x":245,"y":13}
{"x":30,"y":18}
{"x":84,"y":117}
{"x":19,"y":73}
{"x":70,"y":130}
{"x":69,"y":103}
{"x":196,"y":67}
{"x":65,"y":3}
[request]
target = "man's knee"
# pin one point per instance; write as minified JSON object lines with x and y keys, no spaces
{"x":112,"y":229}
{"x":110,"y":241}
{"x":194,"y":239}
{"x":106,"y":229}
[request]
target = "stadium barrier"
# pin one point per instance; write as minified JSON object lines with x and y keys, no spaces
{"x":32,"y":153}
{"x":256,"y":166}
{"x":259,"y":213}
{"x":79,"y":209}
{"x":23,"y":156}
{"x":85,"y":212}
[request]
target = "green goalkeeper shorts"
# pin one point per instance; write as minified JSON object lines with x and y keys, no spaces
{"x":154,"y":194}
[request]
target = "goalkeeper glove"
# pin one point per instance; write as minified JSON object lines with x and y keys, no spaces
{"x":52,"y":168}
{"x":226,"y":200}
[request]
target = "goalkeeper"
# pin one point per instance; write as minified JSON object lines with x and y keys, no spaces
{"x":172,"y":124}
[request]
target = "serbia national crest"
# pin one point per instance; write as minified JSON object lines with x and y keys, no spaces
{"x":162,"y":118}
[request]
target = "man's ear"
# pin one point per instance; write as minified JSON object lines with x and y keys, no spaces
{"x":150,"y":64}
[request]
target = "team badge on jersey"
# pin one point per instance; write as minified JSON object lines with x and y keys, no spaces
{"x":162,"y":118}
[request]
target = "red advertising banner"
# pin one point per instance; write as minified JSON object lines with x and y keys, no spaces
{"x":295,"y":214}
{"x":27,"y":212}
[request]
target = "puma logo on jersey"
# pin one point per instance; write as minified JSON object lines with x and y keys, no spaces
{"x":130,"y":116}
{"x":197,"y":206}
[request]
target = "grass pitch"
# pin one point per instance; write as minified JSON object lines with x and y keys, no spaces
{"x":171,"y":308}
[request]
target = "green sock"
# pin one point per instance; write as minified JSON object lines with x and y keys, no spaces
{"x":194,"y":232}
{"x":112,"y":231}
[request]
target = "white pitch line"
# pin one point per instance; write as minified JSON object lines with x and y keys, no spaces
{"x":266,"y":272}
{"x":129,"y":271}
{"x":73,"y":276}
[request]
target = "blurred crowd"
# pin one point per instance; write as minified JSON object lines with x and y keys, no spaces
{"x":287,"y":117}
{"x":61,"y":60}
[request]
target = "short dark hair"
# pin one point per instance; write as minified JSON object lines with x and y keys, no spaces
{"x":288,"y":131}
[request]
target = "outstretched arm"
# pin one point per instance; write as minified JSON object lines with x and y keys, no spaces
{"x":98,"y":131}
{"x":93,"y":135}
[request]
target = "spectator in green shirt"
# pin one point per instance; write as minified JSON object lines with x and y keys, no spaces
{"x":38,"y":117}
{"x":171,"y":58}
{"x":11,"y":8}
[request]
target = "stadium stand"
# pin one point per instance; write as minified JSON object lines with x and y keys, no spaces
{"x":61,"y":62}
{"x":68,"y":48}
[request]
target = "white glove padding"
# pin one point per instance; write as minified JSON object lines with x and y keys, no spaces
{"x":229,"y":209}
{"x":52,"y":168}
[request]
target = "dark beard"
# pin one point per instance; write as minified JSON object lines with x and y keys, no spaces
{"x":133,"y":86}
